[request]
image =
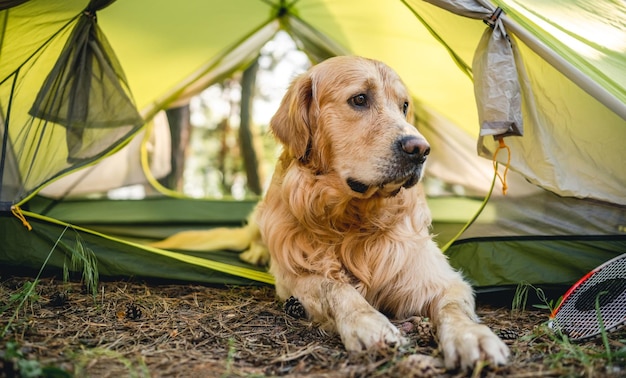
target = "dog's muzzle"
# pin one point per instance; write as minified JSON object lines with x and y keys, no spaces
{"x":403,"y":170}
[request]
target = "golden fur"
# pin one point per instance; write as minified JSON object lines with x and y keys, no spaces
{"x":346,"y":221}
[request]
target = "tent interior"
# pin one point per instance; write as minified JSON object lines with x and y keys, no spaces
{"x":125,"y":122}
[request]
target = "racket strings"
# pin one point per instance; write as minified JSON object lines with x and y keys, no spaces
{"x":606,"y":289}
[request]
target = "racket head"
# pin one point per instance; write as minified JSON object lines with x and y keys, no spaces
{"x":576,"y":316}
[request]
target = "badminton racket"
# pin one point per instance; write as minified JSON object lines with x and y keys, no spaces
{"x":603,"y":289}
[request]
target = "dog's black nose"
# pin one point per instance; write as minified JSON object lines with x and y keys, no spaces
{"x":416,"y":147}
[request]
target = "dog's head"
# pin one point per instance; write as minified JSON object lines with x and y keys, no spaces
{"x":350,"y":116}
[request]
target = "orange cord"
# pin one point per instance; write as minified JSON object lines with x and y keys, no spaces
{"x":502,"y":178}
{"x":18,"y":214}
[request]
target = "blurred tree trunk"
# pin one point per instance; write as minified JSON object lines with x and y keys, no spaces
{"x":246,"y":135}
{"x":224,"y":126}
{"x":180,"y":130}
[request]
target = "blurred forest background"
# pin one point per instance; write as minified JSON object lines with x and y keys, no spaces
{"x":222,"y":147}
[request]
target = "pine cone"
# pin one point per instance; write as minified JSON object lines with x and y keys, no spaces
{"x":424,"y":328}
{"x":508,"y":334}
{"x":133,"y":312}
{"x":58,"y":299}
{"x":294,"y":308}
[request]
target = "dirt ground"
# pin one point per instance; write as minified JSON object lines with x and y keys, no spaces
{"x":133,"y":329}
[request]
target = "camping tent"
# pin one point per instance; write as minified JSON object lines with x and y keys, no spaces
{"x":540,"y":85}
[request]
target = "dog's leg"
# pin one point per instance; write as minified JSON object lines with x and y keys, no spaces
{"x":462,"y":339}
{"x":340,"y":308}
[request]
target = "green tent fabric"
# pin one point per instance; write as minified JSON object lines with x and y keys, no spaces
{"x":50,"y":243}
{"x":545,"y":75}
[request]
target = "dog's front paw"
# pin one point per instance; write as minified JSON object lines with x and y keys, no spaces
{"x":467,"y":343}
{"x":368,"y":329}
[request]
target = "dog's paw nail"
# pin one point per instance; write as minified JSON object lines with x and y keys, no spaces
{"x":294,"y":308}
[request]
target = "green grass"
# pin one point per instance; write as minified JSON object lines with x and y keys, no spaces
{"x":559,"y":350}
{"x":28,"y":292}
{"x":135,"y":368}
{"x":81,"y":259}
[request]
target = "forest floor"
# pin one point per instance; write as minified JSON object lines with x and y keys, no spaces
{"x":135,"y":329}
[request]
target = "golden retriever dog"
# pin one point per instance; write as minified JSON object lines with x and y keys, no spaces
{"x":345,"y":217}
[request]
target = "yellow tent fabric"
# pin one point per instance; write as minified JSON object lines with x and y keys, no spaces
{"x":569,"y":55}
{"x":165,"y":47}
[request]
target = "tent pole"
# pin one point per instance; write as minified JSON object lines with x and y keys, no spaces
{"x":571,"y":72}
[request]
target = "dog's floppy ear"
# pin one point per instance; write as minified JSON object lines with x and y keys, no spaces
{"x":292,"y":122}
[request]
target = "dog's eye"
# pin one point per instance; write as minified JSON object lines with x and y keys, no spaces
{"x":405,"y":107}
{"x":359,"y":100}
